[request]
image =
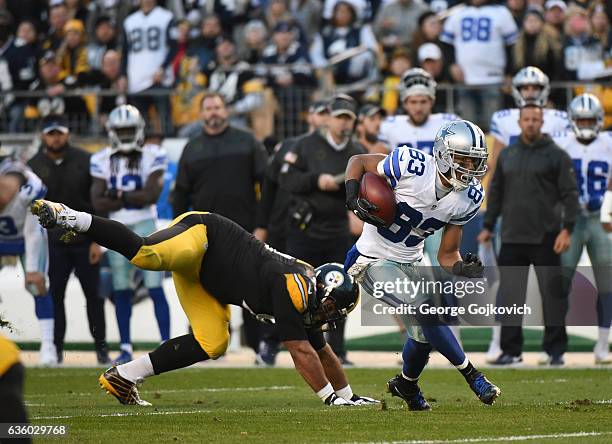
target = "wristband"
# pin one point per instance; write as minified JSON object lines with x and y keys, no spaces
{"x":346,"y":392}
{"x":352,"y":189}
{"x":324,"y":393}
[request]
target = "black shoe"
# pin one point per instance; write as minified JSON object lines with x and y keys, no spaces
{"x":345,"y":362}
{"x":506,"y":359}
{"x":102,"y":355}
{"x":557,"y":360}
{"x":60,"y":355}
{"x":409,"y":391}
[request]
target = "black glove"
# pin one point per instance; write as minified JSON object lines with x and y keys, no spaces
{"x":470,"y":267}
{"x":361,"y":207}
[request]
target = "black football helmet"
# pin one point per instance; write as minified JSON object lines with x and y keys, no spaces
{"x":337,"y":294}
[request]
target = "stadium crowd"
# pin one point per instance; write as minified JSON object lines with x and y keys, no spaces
{"x":268,"y":58}
{"x":193,"y":68}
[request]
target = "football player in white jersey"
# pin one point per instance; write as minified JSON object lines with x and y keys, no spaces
{"x":20,"y":236}
{"x":128,"y":178}
{"x":418,"y":128}
{"x":591,"y":151}
{"x":432,"y":193}
{"x":529,"y":86}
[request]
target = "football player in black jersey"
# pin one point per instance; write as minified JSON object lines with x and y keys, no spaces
{"x":214,"y":263}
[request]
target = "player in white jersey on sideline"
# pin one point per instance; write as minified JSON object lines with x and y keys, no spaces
{"x":591,"y":152}
{"x":418,"y":128}
{"x":432,"y":193}
{"x":128,"y":178}
{"x":21,"y":237}
{"x":529,"y":86}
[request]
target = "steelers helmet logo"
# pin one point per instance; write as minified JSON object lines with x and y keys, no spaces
{"x":334,"y":278}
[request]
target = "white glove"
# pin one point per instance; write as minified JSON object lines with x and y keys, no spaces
{"x":363,"y":400}
{"x":334,"y":399}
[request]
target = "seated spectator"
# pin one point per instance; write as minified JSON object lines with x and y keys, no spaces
{"x":429,"y":31}
{"x":54,"y":102}
{"x":583,"y":53}
{"x":398,"y":65}
{"x":104,"y":38}
{"x":58,"y":17}
{"x":73,"y":54}
{"x":342,"y":34}
{"x":537,"y":45}
{"x":107,"y":78}
{"x":286,"y":50}
{"x":396,"y":23}
{"x":307,"y":13}
{"x":431,"y":60}
{"x":555,"y":14}
{"x":203,"y":48}
{"x":255,"y":40}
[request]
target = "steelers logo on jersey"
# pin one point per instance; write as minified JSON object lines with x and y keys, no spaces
{"x":334,"y":278}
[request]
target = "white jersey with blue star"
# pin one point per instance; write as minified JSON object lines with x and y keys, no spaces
{"x":592,"y":164}
{"x":412,"y":176}
{"x":115,"y":170}
{"x":20,"y":231}
{"x":399,"y":131}
{"x":505,"y":127}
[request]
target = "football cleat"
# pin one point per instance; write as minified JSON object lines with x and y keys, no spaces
{"x":51,"y":214}
{"x":486,"y":391}
{"x":409,"y":391}
{"x":123,"y":389}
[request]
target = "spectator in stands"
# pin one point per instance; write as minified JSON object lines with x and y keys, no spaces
{"x":307,"y":13}
{"x":277,"y":11}
{"x":396,"y":23}
{"x":107,"y":79}
{"x":536,"y":234}
{"x":431,"y":60}
{"x":64,"y":169}
{"x":51,"y":82}
{"x":147,"y":53}
{"x":183,"y":32}
{"x":537,"y":45}
{"x":600,"y":23}
{"x":255,"y":41}
{"x":76,"y":10}
{"x":398,"y":65}
{"x":72,"y":54}
{"x":204,"y":164}
{"x":475,"y":33}
{"x":286,"y":50}
{"x":429,"y":31}
{"x":582,"y":51}
{"x":555,"y":14}
{"x":35,"y":11}
{"x":365,"y":9}
{"x":193,"y":11}
{"x":342,"y":34}
{"x":517,"y":8}
{"x":235,"y":80}
{"x":441,"y":6}
{"x":116,"y":10}
{"x":58,"y":17}
{"x":368,"y":127}
{"x":203,"y":47}
{"x":104,"y":38}
{"x":20,"y":71}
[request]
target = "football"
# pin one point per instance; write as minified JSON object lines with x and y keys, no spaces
{"x":377,"y":191}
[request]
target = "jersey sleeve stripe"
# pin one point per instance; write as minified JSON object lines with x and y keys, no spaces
{"x":511,"y":38}
{"x":387,"y":170}
{"x":467,"y":217}
{"x":447,"y":37}
{"x":396,"y":168}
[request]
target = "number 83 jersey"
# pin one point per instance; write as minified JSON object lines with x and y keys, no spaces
{"x":120,"y":175}
{"x":412,"y":176}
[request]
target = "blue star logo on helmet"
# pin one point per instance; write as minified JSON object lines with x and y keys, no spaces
{"x":447,"y":131}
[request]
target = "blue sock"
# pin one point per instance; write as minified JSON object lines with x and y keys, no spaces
{"x":443,"y":340}
{"x":123,"y":310}
{"x":43,"y":306}
{"x":162,"y":311}
{"x":415,"y":356}
{"x":604,"y":310}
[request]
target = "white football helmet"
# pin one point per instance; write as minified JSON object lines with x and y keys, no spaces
{"x":460,"y":148}
{"x":125,"y":127}
{"x":530,"y":75}
{"x":586,"y":106}
{"x":417,"y":82}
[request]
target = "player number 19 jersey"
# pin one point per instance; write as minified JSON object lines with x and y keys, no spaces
{"x":412,"y":176}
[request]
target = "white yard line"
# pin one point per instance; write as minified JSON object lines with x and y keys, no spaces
{"x":504,"y":438}
{"x":113,"y":415}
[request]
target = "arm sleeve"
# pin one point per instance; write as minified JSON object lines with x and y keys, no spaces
{"x":509,"y":29}
{"x":289,"y":322}
{"x":568,"y":191}
{"x":401,"y":162}
{"x":294,"y":175}
{"x":496,"y":196}
{"x":172,"y":43}
{"x":35,"y":244}
{"x":449,"y":30}
{"x":496,"y":127}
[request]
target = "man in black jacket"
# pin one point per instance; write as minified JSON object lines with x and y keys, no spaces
{"x":64,"y":169}
{"x":313,"y":174}
{"x":534,"y":190}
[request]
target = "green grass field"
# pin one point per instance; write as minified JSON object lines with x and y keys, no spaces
{"x":274,"y":405}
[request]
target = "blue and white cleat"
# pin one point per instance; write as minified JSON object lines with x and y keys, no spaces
{"x":409,"y":391}
{"x":486,"y":391}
